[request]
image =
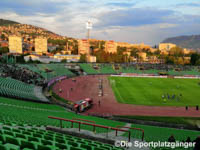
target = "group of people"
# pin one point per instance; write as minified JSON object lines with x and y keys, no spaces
{"x":188,"y":140}
{"x":164,"y":67}
{"x":20,"y":73}
{"x":168,"y":96}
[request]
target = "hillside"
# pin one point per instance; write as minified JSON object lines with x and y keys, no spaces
{"x":8,"y":27}
{"x":191,"y":42}
{"x":7,"y":22}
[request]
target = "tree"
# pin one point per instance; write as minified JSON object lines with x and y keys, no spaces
{"x":63,"y":60}
{"x":3,"y":37}
{"x":169,"y":60}
{"x":134,"y":52}
{"x":83,"y":58}
{"x":157,"y":52}
{"x":4,"y":50}
{"x":176,"y":52}
{"x":194,"y":58}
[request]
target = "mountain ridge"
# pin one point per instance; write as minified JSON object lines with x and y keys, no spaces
{"x":4,"y":22}
{"x":185,"y":41}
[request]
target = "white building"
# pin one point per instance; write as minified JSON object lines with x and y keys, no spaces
{"x":41,"y":45}
{"x":15,"y":44}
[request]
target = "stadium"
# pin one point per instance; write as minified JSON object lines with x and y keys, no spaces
{"x":89,"y":106}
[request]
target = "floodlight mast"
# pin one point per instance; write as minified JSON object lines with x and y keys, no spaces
{"x":88,"y":27}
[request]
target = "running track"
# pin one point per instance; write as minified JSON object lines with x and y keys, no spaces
{"x":87,"y":86}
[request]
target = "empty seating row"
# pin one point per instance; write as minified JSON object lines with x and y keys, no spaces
{"x":34,"y":138}
{"x":17,"y":89}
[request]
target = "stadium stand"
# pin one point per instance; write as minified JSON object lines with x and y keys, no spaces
{"x":16,"y":89}
{"x":88,"y":68}
{"x":22,"y":124}
{"x":23,"y":127}
{"x":34,"y":115}
{"x":38,"y":139}
{"x":140,"y":69}
{"x":49,"y":71}
{"x":23,"y":74}
{"x":37,"y":114}
{"x":102,"y":69}
{"x":107,"y":69}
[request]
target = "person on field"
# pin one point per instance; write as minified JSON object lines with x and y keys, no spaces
{"x":173,"y":96}
{"x":171,"y":139}
{"x":168,"y":96}
{"x":197,"y":143}
{"x":188,"y":140}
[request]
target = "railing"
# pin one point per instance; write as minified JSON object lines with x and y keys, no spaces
{"x":83,"y":120}
{"x":91,"y":124}
{"x":133,"y":129}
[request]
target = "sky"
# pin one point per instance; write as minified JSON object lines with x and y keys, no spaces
{"x":133,"y":21}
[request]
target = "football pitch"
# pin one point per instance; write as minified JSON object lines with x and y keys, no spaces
{"x":156,"y":91}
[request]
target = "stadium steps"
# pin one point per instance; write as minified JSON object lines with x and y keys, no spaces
{"x":20,"y":138}
{"x":39,"y":94}
{"x":90,"y":134}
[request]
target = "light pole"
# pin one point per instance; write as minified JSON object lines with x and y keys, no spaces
{"x":88,"y":27}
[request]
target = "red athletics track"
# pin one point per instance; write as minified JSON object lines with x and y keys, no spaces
{"x":87,"y":86}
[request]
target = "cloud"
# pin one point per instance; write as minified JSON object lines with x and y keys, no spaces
{"x":134,"y":17}
{"x":26,"y":7}
{"x":188,"y":5}
{"x":121,"y":20}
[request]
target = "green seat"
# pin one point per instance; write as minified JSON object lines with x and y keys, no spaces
{"x":46,"y":137}
{"x":59,"y":140}
{"x":94,"y":145}
{"x":72,"y":143}
{"x":45,"y":142}
{"x":9,"y":146}
{"x":105,"y":147}
{"x":97,"y":148}
{"x":16,"y":130}
{"x":1,"y":138}
{"x":33,"y":139}
{"x":8,"y":133}
{"x":86,"y":147}
{"x":18,"y":135}
{"x":26,"y":133}
{"x":37,"y":135}
{"x":61,"y":146}
{"x":2,"y":147}
{"x":41,"y":147}
{"x":11,"y":140}
{"x":7,"y":128}
{"x":74,"y":148}
{"x":26,"y":144}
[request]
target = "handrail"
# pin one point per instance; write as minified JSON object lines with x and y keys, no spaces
{"x":90,"y":124}
{"x":139,"y":129}
{"x":83,"y":120}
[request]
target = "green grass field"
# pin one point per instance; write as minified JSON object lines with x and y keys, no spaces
{"x":149,"y":91}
